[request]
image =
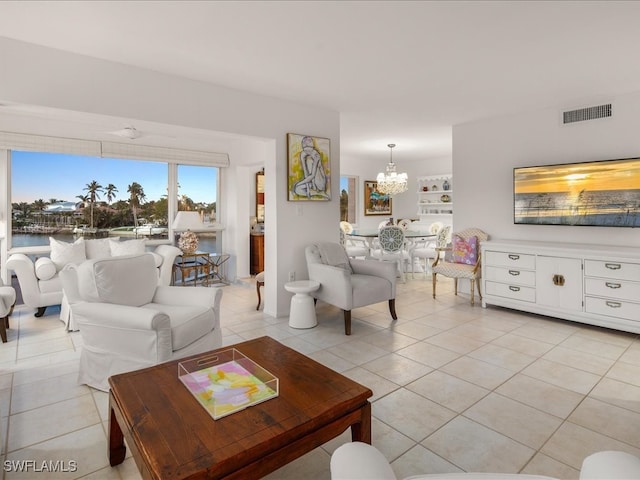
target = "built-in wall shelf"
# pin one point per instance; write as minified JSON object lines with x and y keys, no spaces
{"x":435,"y":199}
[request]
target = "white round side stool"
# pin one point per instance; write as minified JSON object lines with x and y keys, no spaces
{"x":303,"y":309}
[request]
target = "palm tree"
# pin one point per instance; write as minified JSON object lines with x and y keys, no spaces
{"x":186,"y":203}
{"x":39,"y":206}
{"x":111,"y":192}
{"x":24,"y":208}
{"x":136,"y":196}
{"x":93,"y":189}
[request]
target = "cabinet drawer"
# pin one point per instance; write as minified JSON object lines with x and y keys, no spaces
{"x":611,"y":288}
{"x":613,"y":269}
{"x":510,"y":275}
{"x":515,"y":292}
{"x":612,"y":308}
{"x":509,"y":259}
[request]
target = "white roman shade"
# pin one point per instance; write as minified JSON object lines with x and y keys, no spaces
{"x":171,"y":155}
{"x":42,"y":143}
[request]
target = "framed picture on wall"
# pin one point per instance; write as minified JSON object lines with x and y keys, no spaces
{"x":375,"y":203}
{"x":309,"y":168}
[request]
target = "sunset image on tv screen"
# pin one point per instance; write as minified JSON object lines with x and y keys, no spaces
{"x":603,"y":193}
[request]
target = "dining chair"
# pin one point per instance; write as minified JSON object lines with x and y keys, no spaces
{"x":354,"y":246}
{"x":392,"y":247}
{"x":462,"y":260}
{"x":404,"y":223}
{"x":427,"y":249}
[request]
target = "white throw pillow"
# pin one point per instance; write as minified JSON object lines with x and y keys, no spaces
{"x":124,"y":280}
{"x":63,"y":253}
{"x":99,"y":247}
{"x":128,"y":247}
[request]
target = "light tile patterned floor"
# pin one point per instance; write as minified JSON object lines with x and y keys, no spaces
{"x":456,"y":387}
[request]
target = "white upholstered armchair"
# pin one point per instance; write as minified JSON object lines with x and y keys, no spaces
{"x":350,"y":283}
{"x":7,"y":301}
{"x":361,"y":461}
{"x":127,"y":321}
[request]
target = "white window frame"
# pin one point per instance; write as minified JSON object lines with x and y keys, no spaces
{"x":46,"y":144}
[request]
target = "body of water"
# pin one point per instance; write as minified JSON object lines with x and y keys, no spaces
{"x":595,"y":207}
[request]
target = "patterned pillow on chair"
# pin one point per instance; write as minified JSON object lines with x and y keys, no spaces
{"x":465,"y":251}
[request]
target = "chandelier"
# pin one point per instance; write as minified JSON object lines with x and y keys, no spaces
{"x":390,"y":182}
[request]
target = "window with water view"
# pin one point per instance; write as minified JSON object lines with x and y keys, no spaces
{"x":64,"y":196}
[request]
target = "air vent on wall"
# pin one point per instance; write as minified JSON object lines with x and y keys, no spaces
{"x":589,"y":113}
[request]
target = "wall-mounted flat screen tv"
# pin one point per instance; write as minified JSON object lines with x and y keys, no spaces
{"x":602,"y":193}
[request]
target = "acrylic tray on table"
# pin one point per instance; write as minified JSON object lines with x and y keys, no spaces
{"x":227,"y":381}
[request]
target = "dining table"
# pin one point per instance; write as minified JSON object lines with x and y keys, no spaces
{"x":370,"y":234}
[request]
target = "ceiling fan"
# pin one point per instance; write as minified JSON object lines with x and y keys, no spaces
{"x":129,"y":132}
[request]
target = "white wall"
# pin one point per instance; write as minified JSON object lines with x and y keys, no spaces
{"x":35,"y":75}
{"x":403,"y":205}
{"x":485,"y":152}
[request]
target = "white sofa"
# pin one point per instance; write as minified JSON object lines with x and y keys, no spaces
{"x":40,"y":280}
{"x":361,"y":461}
{"x":127,"y":321}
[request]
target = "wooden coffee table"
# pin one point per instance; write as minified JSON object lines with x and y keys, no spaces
{"x":171,"y":436}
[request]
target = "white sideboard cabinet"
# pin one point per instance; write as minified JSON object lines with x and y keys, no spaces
{"x":594,"y":284}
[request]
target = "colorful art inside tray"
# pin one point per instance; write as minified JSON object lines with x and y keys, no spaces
{"x":227,"y":388}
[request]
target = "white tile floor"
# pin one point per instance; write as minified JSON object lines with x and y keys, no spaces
{"x":456,"y":388}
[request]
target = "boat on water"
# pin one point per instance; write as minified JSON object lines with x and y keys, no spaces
{"x":146,"y":230}
{"x":35,"y":229}
{"x":84,"y":230}
{"x":150,"y":230}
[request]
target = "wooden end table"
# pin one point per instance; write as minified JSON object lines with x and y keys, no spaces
{"x":171,"y":436}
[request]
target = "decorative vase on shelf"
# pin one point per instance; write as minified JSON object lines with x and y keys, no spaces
{"x":445,"y":185}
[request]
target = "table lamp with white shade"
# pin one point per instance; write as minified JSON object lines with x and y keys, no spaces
{"x":188,"y":222}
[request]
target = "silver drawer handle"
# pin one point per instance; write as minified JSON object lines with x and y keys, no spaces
{"x":613,"y":266}
{"x":612,"y":285}
{"x":614,"y":304}
{"x":515,"y":273}
{"x":514,"y":289}
{"x":514,"y":257}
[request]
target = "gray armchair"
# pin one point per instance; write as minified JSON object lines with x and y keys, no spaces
{"x":350,"y":283}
